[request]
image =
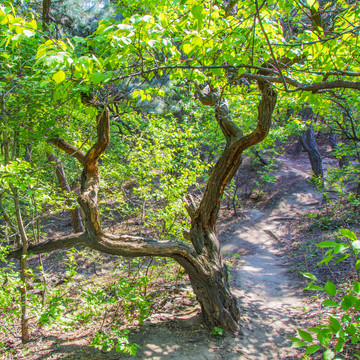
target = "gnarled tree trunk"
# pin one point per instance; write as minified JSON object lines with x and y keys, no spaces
{"x":309,"y":143}
{"x":202,"y":262}
{"x":211,"y":287}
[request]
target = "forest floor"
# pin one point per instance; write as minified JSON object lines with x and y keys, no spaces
{"x":264,"y":276}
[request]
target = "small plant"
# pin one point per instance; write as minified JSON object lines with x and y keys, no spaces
{"x":342,"y":327}
{"x":71,"y":265}
{"x":117,"y":339}
{"x":217,"y":331}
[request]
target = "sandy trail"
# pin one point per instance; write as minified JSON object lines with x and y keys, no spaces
{"x":268,"y":295}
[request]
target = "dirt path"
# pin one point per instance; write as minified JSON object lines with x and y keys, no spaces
{"x":270,"y":298}
{"x":269,"y":295}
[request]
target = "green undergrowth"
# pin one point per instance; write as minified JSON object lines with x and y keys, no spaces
{"x":337,"y":333}
{"x":110,"y":303}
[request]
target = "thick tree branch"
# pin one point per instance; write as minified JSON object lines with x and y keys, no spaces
{"x":209,"y":97}
{"x":124,"y":245}
{"x":327,"y":85}
{"x":53,"y":244}
{"x":230,"y":160}
{"x":134,"y":246}
{"x":230,"y":8}
{"x":103,"y":140}
{"x":90,"y":176}
{"x":190,"y":205}
{"x":313,"y":87}
{"x":275,"y":77}
{"x":68,"y":148}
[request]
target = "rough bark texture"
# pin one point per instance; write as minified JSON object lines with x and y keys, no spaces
{"x":28,"y":152}
{"x":298,"y":147}
{"x":202,"y":262}
{"x":64,"y":185}
{"x":46,"y":13}
{"x":211,"y":286}
{"x":309,"y":143}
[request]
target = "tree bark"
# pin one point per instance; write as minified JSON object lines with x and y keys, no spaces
{"x":298,"y":147}
{"x":28,"y":152}
{"x":46,"y":13}
{"x":308,"y":141}
{"x":219,"y":306}
{"x":64,"y":185}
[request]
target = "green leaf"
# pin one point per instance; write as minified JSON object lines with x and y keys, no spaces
{"x":348,"y":302}
{"x":356,"y":287}
{"x":341,"y":258}
{"x":311,"y":349}
{"x":297,"y":344}
{"x":59,"y":76}
{"x":311,"y":2}
{"x":330,"y":288}
{"x":197,"y":40}
{"x":163,"y":19}
{"x":330,"y":303}
{"x":339,"y":248}
{"x":340,"y":344}
{"x":187,"y":48}
{"x":97,"y":77}
{"x":324,"y":338}
{"x":335,"y":324}
{"x":78,"y":39}
{"x":305,"y":335}
{"x":327,"y":243}
{"x":198,"y":12}
{"x":351,"y":329}
{"x":3,"y":19}
{"x":328,"y":355}
{"x":309,"y":276}
{"x":135,"y":94}
{"x":357,"y":265}
{"x":311,"y":286}
{"x":294,"y":339}
{"x":355,"y":339}
{"x":315,"y":330}
{"x":347,"y":233}
{"x":90,"y":111}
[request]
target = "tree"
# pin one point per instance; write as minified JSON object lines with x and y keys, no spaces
{"x":214,"y":49}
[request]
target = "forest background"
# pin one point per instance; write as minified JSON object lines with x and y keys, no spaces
{"x":163,"y":99}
